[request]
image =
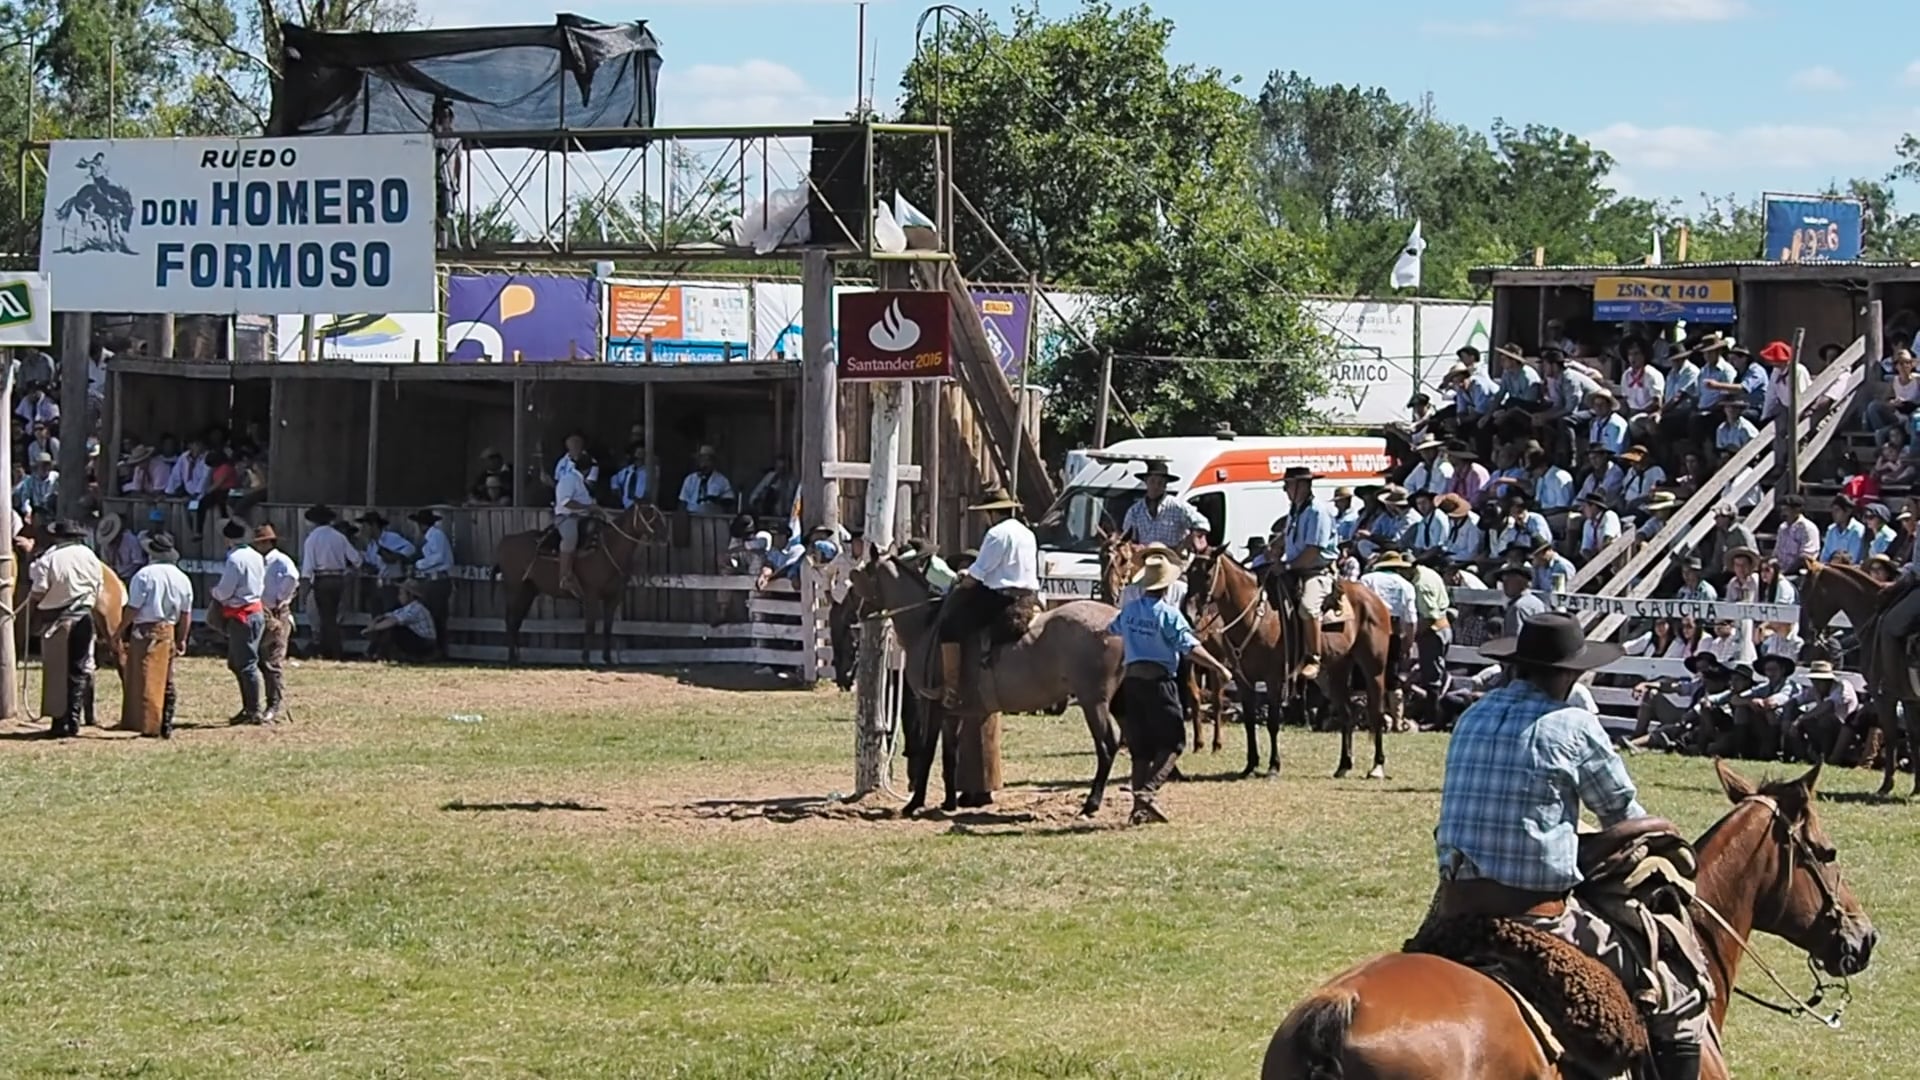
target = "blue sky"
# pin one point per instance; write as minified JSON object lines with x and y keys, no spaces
{"x":1691,"y":96}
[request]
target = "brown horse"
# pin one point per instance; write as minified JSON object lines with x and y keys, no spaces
{"x":1766,"y":866}
{"x":1250,"y":638}
{"x":1066,"y":654}
{"x":602,"y":572}
{"x":1832,"y":588}
{"x":1356,"y":654}
{"x":1119,"y":558}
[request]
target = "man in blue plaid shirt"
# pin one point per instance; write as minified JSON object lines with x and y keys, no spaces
{"x":1521,"y":764}
{"x":1160,"y":518}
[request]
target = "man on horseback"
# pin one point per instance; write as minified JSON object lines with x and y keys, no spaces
{"x":1312,"y":551}
{"x":573,"y":504}
{"x":1521,"y":764}
{"x":1006,"y":573}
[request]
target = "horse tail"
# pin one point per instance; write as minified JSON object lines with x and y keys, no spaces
{"x":1313,"y":1041}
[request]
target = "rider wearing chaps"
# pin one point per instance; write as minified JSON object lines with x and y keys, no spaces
{"x":1005,"y":577}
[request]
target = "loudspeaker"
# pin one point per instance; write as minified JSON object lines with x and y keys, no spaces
{"x":839,"y":200}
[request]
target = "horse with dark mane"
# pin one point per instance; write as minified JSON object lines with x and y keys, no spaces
{"x":1251,"y":641}
{"x":1767,"y":866}
{"x":1831,"y":588}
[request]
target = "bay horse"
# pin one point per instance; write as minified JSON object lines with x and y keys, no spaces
{"x":1251,"y":639}
{"x":1067,"y":653}
{"x":602,"y":572}
{"x":1766,"y":866}
{"x":1119,"y":558}
{"x":1831,"y":588}
{"x":1354,"y":654}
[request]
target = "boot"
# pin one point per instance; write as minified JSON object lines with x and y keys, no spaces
{"x":1310,"y":640}
{"x":166,"y":714}
{"x":86,"y":703}
{"x":76,"y":707}
{"x":950,"y":674}
{"x":1397,"y":709}
{"x":1676,"y":1061}
{"x":568,"y":583}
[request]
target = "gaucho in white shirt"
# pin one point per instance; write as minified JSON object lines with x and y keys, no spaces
{"x":1005,"y":575}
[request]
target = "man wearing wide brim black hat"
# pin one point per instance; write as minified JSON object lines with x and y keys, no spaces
{"x":328,"y":559}
{"x":159,"y":618}
{"x":1000,"y":588}
{"x":1160,"y":518}
{"x":65,"y":582}
{"x":1309,"y":557}
{"x":1521,"y":764}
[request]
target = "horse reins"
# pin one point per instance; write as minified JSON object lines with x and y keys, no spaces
{"x":1830,"y":905}
{"x":1253,"y":610}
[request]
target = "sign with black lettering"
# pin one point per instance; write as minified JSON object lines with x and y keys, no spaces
{"x":249,"y":226}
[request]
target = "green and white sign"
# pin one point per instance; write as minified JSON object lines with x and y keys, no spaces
{"x":26,"y":309}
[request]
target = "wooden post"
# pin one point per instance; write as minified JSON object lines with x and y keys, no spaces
{"x":76,"y":336}
{"x":1685,"y":231}
{"x":373,"y":443}
{"x":872,"y":724}
{"x":647,"y":441}
{"x":9,"y":655}
{"x":164,"y":347}
{"x":1100,"y":407}
{"x":517,"y":453}
{"x":110,"y":450}
{"x":1876,"y":343}
{"x":276,"y":419}
{"x":819,"y":404}
{"x":935,"y":434}
{"x":905,"y":524}
{"x":1791,"y":429}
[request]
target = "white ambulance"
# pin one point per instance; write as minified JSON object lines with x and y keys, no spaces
{"x":1235,"y":483}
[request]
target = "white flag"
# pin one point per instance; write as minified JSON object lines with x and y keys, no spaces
{"x":908,"y":215}
{"x":1655,"y":258}
{"x":1406,"y":269}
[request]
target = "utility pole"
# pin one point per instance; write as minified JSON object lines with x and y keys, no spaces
{"x":9,"y":627}
{"x":1790,"y":421}
{"x":76,"y":340}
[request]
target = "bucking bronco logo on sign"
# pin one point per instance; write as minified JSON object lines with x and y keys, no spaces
{"x":99,"y":215}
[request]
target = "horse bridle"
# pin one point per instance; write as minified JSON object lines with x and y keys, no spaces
{"x":1830,"y":907}
{"x":1251,"y":612}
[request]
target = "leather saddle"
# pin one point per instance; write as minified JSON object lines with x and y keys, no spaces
{"x":589,"y":537}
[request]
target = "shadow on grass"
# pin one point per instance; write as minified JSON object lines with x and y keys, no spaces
{"x":792,"y":809}
{"x":1865,"y":798}
{"x":459,"y":806}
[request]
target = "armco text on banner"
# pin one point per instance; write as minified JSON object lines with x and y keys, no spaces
{"x":256,"y":226}
{"x":26,"y":309}
{"x":1651,"y":299}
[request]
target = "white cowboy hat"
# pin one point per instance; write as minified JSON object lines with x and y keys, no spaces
{"x":1156,"y":572}
{"x":108,"y":528}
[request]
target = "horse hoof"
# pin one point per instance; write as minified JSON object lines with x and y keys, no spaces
{"x":1088,"y":811}
{"x":1379,"y":772}
{"x":1342,"y":772}
{"x":1885,"y":791}
{"x":912,"y":808}
{"x":1249,"y":772}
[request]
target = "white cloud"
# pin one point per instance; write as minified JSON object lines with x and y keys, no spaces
{"x":751,"y":92}
{"x":1911,"y":76}
{"x":1641,"y":11}
{"x":1765,"y":146}
{"x":1484,"y":29}
{"x":1818,"y":77}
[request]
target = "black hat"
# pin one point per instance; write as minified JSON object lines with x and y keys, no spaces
{"x":1553,"y":639}
{"x":1707,"y":661}
{"x":372,"y":517}
{"x":1467,"y":353}
{"x":1299,"y":472}
{"x":66,"y":529}
{"x":423,"y":516}
{"x":320,"y":514}
{"x":1436,"y":558}
{"x":1462,"y":451}
{"x":1518,"y":547}
{"x":1418,"y":400}
{"x":1256,"y":544}
{"x":1506,"y":570}
{"x":1796,"y":502}
{"x":1596,"y":497}
{"x":1691,"y":563}
{"x":1160,"y":469}
{"x":235,"y":530}
{"x":1776,"y":659}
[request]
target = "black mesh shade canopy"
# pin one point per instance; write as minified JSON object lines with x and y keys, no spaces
{"x":575,"y":76}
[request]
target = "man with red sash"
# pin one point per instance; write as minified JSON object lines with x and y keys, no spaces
{"x":237,"y":596}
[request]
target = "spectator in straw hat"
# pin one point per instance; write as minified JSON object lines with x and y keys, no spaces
{"x":1607,"y":427}
{"x":1820,"y":708}
{"x":1156,"y":637}
{"x":1346,"y":519}
{"x":1433,"y":473}
{"x":1466,"y":540}
{"x":706,"y":490}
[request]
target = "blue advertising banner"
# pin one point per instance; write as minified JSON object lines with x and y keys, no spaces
{"x":1004,"y":316}
{"x":522,"y":318}
{"x":1811,"y":229}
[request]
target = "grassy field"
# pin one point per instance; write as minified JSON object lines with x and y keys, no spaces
{"x":620,"y":875}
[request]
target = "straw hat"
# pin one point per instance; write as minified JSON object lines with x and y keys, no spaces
{"x":1661,"y":500}
{"x":997,"y":499}
{"x":1454,"y":506}
{"x":107,"y":530}
{"x":1821,"y":671}
{"x":1156,"y":572}
{"x":1391,"y":560}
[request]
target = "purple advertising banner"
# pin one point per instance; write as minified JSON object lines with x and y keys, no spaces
{"x":522,"y":318}
{"x":1004,"y":314}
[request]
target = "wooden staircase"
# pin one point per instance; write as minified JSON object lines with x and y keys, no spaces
{"x":1750,"y":466}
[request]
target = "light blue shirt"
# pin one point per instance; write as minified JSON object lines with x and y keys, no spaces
{"x":1721,"y":370}
{"x":390,"y":540}
{"x":631,"y":483}
{"x":1850,"y":539}
{"x":1555,"y":577}
{"x":1310,"y":527}
{"x":1735,"y":435}
{"x":436,"y":553}
{"x":1429,"y":532}
{"x":1573,"y":389}
{"x":1610,"y":432}
{"x":1532,"y":531}
{"x":1882,"y":540}
{"x":1554,"y":489}
{"x":1153,"y":631}
{"x":1702,"y":591}
{"x":1755,"y":380}
{"x":1482,"y":391}
{"x":1468,"y":542}
{"x":1345,"y":525}
{"x":1519,"y":384}
{"x":1682,"y":381}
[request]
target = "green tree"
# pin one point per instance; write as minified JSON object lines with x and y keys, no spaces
{"x":238,"y":42}
{"x":1101,"y":164}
